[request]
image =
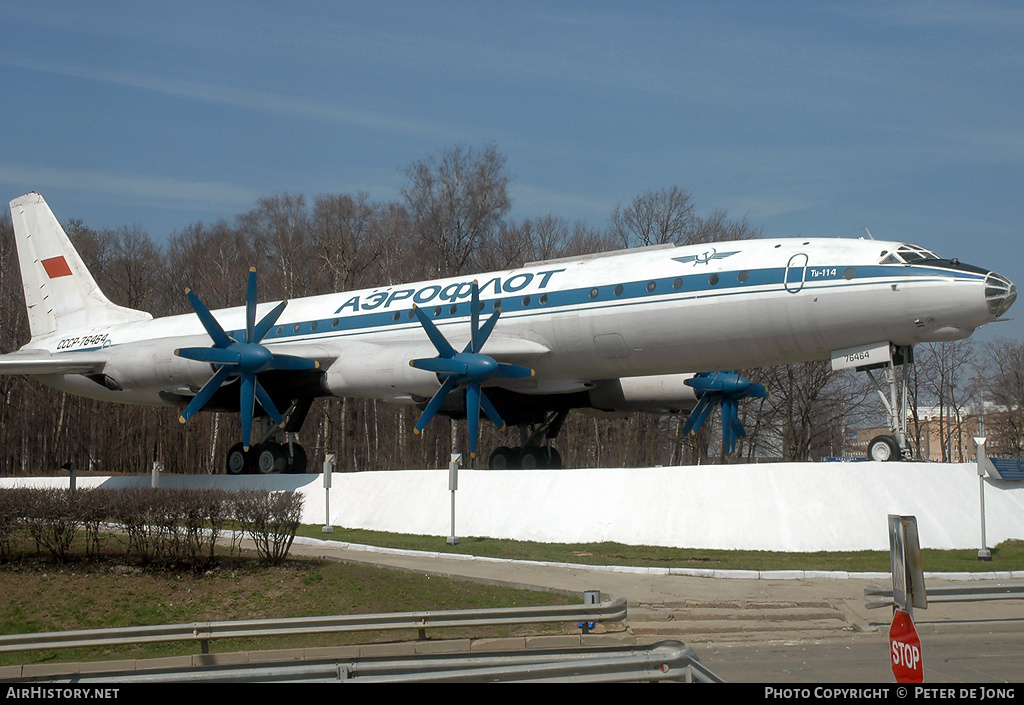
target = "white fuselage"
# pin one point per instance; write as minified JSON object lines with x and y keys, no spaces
{"x":654,"y":311}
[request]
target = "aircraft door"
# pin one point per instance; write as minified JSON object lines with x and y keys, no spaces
{"x":796,"y":272}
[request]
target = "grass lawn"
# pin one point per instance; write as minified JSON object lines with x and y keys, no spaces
{"x":1008,"y":555}
{"x":40,"y":595}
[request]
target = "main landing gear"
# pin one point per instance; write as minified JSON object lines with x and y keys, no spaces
{"x":525,"y":458}
{"x":533,"y":453}
{"x":277,"y":451}
{"x":267,"y":458}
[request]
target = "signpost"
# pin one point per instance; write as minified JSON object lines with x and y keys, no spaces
{"x":908,"y":592}
{"x":905,"y":649}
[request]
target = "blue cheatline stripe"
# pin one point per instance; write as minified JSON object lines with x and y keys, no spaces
{"x":688,"y":285}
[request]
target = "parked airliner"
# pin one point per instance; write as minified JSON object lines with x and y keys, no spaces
{"x":612,"y":332}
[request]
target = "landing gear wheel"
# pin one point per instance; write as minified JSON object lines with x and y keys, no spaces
{"x":239,"y":461}
{"x":503,"y":458}
{"x":533,"y":458}
{"x":271,"y":458}
{"x":883,"y":449}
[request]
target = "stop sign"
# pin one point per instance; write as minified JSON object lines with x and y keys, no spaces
{"x":905,"y":649}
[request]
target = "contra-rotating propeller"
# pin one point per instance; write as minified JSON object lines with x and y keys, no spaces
{"x":726,"y":389}
{"x":468,"y":369}
{"x":243,"y":359}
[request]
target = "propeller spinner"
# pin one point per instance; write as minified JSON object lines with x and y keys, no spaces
{"x":725,"y":389}
{"x":469,"y":369}
{"x":244,"y":360}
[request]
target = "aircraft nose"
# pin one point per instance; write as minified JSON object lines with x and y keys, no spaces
{"x":1000,"y":293}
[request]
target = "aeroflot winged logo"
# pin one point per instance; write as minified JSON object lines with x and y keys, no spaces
{"x":704,"y":257}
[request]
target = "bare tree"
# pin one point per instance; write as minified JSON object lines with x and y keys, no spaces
{"x":456,"y":198}
{"x":350,"y":241}
{"x":133,"y":267}
{"x":213,"y":260}
{"x":945,"y":371}
{"x":1003,"y":385}
{"x":668,"y":216}
{"x":278,"y":227}
{"x":654,"y":218}
{"x":718,"y":228}
{"x":809,"y":409}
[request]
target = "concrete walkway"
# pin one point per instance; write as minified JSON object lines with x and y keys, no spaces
{"x":735,"y":605}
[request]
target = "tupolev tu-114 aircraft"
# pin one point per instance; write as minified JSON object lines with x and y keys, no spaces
{"x":654,"y":329}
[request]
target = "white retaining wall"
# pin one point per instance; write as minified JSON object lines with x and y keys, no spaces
{"x":778,"y":507}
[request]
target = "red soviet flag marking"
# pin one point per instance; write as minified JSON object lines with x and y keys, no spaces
{"x":57,"y":267}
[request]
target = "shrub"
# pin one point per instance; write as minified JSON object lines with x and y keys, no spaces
{"x":163,"y":527}
{"x":271,"y":520}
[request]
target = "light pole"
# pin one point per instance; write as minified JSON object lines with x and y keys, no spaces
{"x":329,"y":460}
{"x":453,"y":485}
{"x":983,"y":554}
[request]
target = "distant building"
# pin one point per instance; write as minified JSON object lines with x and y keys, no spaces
{"x":960,"y":446}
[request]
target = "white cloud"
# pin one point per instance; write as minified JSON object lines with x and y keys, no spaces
{"x":152,"y":188}
{"x":237,"y":97}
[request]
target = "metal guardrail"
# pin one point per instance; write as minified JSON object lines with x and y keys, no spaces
{"x":663,"y":661}
{"x":204,"y":632}
{"x":876,"y":596}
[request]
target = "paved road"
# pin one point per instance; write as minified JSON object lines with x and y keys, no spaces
{"x":810,"y":630}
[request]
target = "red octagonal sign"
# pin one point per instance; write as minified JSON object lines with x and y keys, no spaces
{"x":905,"y":649}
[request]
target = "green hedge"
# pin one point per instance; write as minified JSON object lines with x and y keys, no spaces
{"x":175,"y":528}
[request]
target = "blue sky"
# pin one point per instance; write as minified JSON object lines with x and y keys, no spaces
{"x":808,"y":118}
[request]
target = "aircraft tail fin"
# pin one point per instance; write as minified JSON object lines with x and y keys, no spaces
{"x":60,"y":293}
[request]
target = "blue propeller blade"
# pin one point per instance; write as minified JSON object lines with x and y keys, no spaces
{"x":469,"y":368}
{"x":244,"y":359}
{"x":511,"y":371}
{"x":474,"y":320}
{"x":267,"y":322}
{"x":268,"y":404}
{"x":698,"y":416}
{"x":434,"y":404}
{"x":292,"y":362}
{"x":725,"y":389}
{"x":491,"y":412}
{"x":247,"y":405}
{"x":250,"y":308}
{"x":438,"y":340}
{"x":473,"y":395}
{"x":440,"y":365}
{"x":204,"y":395}
{"x":220,"y":356}
{"x":217,"y":334}
{"x":485,"y":332}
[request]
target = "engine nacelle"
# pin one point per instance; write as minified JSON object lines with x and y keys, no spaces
{"x":152,"y":365}
{"x":366,"y":370}
{"x":656,"y":394}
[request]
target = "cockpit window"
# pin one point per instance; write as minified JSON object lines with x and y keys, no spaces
{"x":914,"y":253}
{"x":906,"y":254}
